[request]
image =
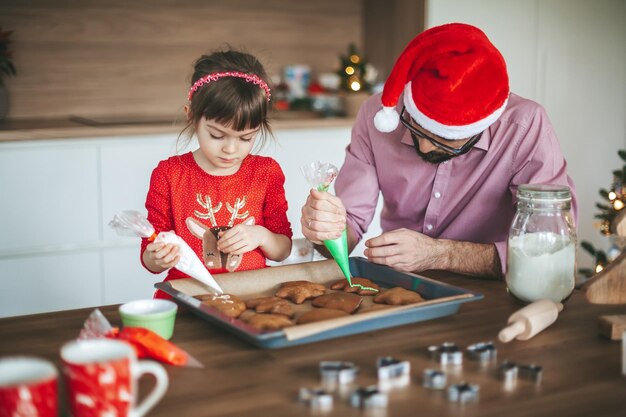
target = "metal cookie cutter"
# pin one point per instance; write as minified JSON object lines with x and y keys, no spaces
{"x":392,"y":373}
{"x":368,"y":397}
{"x":316,"y":398}
{"x":463,"y":392}
{"x":434,"y":379}
{"x":531,"y":372}
{"x":336,"y":372}
{"x":483,"y":352}
{"x":508,"y":371}
{"x":446,"y":354}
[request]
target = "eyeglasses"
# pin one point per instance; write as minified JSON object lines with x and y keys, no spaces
{"x":455,"y":151}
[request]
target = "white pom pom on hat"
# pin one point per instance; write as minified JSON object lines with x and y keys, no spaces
{"x":386,"y":119}
{"x":454,"y":80}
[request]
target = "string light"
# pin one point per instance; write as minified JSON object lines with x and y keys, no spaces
{"x":612,"y":195}
{"x":599,"y":268}
{"x":618,"y":204}
{"x":352,"y":71}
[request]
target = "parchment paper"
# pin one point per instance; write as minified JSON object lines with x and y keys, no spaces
{"x":265,"y":282}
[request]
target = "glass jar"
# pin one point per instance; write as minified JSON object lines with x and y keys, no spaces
{"x":541,"y":261}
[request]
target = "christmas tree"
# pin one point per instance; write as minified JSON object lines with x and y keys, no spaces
{"x":613,"y":202}
{"x":353,"y":71}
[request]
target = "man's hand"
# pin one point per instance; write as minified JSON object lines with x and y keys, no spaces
{"x":242,"y":238}
{"x":405,"y":250}
{"x":323,"y":217}
{"x":410,"y":251}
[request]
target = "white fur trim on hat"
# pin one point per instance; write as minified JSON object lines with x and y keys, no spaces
{"x":445,"y":131}
{"x":386,"y":119}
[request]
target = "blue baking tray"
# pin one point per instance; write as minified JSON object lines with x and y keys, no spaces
{"x":384,"y":276}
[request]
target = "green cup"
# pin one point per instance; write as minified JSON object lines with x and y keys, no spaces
{"x":157,"y":315}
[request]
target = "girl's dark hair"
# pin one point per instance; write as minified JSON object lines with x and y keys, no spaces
{"x":231,"y":101}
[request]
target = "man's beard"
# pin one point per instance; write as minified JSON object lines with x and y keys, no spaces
{"x":434,"y":157}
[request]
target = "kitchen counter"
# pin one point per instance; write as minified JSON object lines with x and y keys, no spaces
{"x":581,"y":370}
{"x":80,"y":127}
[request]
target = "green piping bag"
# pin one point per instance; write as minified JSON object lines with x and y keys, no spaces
{"x":320,"y":175}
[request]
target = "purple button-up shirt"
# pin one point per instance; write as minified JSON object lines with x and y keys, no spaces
{"x":470,"y":197}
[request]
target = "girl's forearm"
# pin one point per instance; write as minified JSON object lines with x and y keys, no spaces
{"x":276,"y":247}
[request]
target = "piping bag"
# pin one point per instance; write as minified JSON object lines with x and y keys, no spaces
{"x":133,"y":223}
{"x":320,"y":175}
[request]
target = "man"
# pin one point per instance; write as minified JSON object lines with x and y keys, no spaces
{"x":447,"y":151}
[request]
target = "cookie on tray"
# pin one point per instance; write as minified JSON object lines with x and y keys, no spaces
{"x":300,"y":291}
{"x":373,"y":307}
{"x":274,"y":305}
{"x":339,"y":301}
{"x":264,"y":321}
{"x":344,"y":285}
{"x":319,"y":314}
{"x":227,"y":304}
{"x":398,"y":296}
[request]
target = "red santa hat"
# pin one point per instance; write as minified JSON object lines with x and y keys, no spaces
{"x":454,"y":81}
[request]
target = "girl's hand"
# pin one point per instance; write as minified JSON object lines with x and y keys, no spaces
{"x":242,"y":238}
{"x":164,"y":256}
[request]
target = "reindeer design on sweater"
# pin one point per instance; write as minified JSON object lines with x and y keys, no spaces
{"x":212,"y":257}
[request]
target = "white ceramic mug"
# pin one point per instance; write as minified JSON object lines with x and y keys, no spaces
{"x":102,"y":375}
{"x":28,"y":387}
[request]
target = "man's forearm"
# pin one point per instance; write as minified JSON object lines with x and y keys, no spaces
{"x":475,"y":259}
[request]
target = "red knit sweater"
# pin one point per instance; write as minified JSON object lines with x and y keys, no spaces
{"x":181,"y":190}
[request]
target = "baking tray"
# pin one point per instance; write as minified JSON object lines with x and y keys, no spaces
{"x":441,"y":300}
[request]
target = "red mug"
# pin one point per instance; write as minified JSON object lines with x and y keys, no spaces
{"x":101,"y":377}
{"x":28,"y":387}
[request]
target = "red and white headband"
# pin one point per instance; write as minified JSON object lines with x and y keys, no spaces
{"x":251,"y":78}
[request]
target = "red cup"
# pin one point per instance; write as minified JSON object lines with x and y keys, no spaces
{"x":28,"y":387}
{"x":101,"y":377}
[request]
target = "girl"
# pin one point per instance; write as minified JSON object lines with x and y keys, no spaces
{"x":227,"y":204}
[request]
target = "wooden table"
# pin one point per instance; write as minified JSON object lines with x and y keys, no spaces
{"x":582,"y":370}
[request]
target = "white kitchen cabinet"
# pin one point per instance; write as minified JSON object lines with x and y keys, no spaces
{"x":124,"y":278}
{"x":49,"y":282}
{"x":50,"y":194}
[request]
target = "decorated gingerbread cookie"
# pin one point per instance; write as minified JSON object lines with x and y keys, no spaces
{"x":361,"y":286}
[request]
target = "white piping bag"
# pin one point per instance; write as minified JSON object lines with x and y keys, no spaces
{"x":133,"y":223}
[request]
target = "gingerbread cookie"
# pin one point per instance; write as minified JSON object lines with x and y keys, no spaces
{"x":274,"y":305}
{"x":268,"y":321}
{"x":398,"y":296}
{"x":357,"y":283}
{"x":300,"y":291}
{"x":373,"y":307}
{"x":339,"y":301}
{"x":227,"y":304}
{"x":319,"y":314}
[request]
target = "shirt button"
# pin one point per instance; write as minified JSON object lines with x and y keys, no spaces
{"x":429,"y":227}
{"x":437,"y":194}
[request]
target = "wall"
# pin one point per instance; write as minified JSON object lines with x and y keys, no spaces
{"x":121,"y":58}
{"x":569,"y":55}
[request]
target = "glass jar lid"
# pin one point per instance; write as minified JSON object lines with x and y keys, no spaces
{"x":544,"y":192}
